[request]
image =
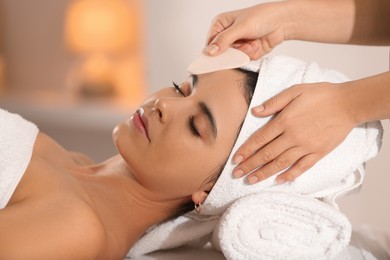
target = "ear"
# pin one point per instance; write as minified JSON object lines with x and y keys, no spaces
{"x":199,"y":196}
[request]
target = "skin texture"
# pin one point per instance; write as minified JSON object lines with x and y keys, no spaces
{"x":312,"y":119}
{"x":168,"y":108}
{"x":66,"y":207}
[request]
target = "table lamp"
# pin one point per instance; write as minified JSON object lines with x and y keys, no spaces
{"x":105,"y":34}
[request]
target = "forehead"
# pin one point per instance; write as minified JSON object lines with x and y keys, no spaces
{"x":227,"y":82}
{"x":223,"y":92}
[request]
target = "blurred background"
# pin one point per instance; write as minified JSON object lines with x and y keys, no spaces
{"x":76,"y":68}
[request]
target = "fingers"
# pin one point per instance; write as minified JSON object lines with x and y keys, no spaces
{"x":304,"y":164}
{"x":277,"y":103}
{"x":223,"y":40}
{"x":263,"y":47}
{"x":298,"y":168}
{"x":219,"y":24}
{"x":228,"y":30}
{"x":266,"y":155}
{"x":278,"y":164}
{"x":222,"y":34}
{"x":271,"y":130}
{"x":252,"y":48}
{"x":256,"y":141}
{"x":255,"y":48}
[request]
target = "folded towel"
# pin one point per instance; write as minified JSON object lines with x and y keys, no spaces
{"x":281,"y":225}
{"x":17,"y":138}
{"x":338,"y":173}
{"x":187,"y":230}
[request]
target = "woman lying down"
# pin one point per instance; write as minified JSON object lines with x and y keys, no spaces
{"x":170,"y":153}
{"x":56,"y":204}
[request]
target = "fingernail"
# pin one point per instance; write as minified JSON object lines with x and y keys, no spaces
{"x":253,"y":179}
{"x":238,"y":159}
{"x":213,"y":48}
{"x":258,"y":109}
{"x":238,"y":173}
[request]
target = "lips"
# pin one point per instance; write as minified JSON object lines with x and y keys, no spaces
{"x":141,"y":122}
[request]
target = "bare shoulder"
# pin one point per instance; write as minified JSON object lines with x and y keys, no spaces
{"x":42,"y":230}
{"x":49,"y":148}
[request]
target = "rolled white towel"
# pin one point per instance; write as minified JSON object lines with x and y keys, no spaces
{"x":281,"y":225}
{"x":184,"y":230}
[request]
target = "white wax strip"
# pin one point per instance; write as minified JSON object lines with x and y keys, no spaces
{"x":229,"y":59}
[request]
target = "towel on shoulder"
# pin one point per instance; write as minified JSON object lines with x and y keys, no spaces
{"x":17,"y":138}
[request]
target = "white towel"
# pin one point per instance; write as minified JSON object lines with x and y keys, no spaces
{"x":184,"y":230}
{"x":17,"y":138}
{"x":338,"y":173}
{"x":281,"y":225}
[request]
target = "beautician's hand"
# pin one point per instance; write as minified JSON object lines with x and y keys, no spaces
{"x":255,"y":30}
{"x":313,"y":119}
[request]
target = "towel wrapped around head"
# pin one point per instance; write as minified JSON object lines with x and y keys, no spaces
{"x":338,"y":173}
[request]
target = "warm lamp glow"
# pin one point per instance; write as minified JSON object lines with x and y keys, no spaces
{"x":129,"y":81}
{"x":99,"y":26}
{"x":106,"y":37}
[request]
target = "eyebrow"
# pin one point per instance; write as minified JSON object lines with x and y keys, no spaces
{"x":210,"y":117}
{"x":206,"y":109}
{"x":194,"y":80}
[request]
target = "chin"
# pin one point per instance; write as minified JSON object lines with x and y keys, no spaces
{"x":121,"y":138}
{"x":126,"y":142}
{"x":115,"y":133}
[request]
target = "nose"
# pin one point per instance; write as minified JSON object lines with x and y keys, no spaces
{"x":167,"y":108}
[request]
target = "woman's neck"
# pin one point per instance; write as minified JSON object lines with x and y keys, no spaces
{"x":125,"y":207}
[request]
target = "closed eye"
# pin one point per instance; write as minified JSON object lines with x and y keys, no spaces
{"x":178,"y":89}
{"x":191,"y":125}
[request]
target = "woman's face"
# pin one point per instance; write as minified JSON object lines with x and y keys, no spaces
{"x":183,"y":138}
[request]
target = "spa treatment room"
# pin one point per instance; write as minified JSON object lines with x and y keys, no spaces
{"x":87,"y":74}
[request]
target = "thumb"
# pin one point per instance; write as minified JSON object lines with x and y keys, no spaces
{"x":276,"y":103}
{"x":222,"y":41}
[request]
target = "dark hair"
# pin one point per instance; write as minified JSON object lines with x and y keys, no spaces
{"x":249,"y":87}
{"x":249,"y":84}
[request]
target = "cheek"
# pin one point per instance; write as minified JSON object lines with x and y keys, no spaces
{"x":128,"y":143}
{"x":181,"y":167}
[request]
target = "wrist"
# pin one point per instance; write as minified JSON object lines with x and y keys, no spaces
{"x":298,"y":19}
{"x":368,"y":99}
{"x":319,"y":20}
{"x":349,"y":99}
{"x":289,"y":11}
